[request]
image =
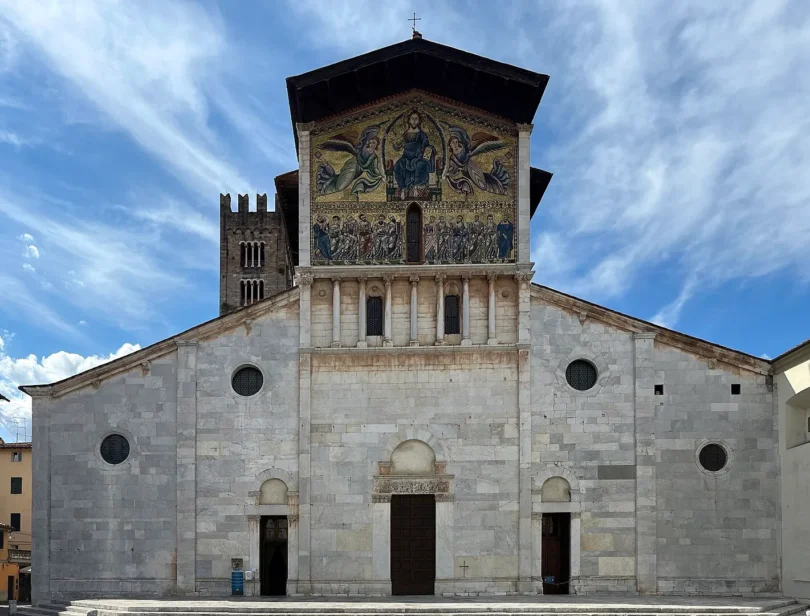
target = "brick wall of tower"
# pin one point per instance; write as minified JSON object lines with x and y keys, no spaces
{"x":245,"y":226}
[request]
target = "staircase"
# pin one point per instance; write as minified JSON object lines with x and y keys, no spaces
{"x":427,"y":606}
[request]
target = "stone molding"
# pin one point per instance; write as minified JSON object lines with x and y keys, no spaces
{"x":415,"y":432}
{"x":446,"y":348}
{"x":689,"y":344}
{"x":603,"y":372}
{"x":388,"y":485}
{"x":452,"y":270}
{"x":559,"y":471}
{"x":290,"y":480}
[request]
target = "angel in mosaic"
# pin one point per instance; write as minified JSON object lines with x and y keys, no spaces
{"x":463,"y":172}
{"x":361,"y":171}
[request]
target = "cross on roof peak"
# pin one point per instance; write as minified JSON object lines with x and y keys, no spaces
{"x":414,"y":19}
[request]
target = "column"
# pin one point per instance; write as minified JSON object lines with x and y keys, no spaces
{"x":335,"y":312}
{"x":524,"y":472}
{"x":440,"y":309}
{"x":644,"y":404}
{"x":361,"y":314}
{"x":491,"y":338}
{"x":254,"y":560}
{"x":304,"y":221}
{"x":302,"y":572}
{"x":524,"y":189}
{"x":186,"y":481}
{"x":414,"y":311}
{"x":387,"y":336}
{"x":465,"y":311}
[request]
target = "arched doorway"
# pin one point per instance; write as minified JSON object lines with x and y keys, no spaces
{"x":556,"y":545}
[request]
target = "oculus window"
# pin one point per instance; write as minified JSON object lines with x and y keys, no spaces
{"x":247,"y":381}
{"x":581,"y":375}
{"x":114,"y":449}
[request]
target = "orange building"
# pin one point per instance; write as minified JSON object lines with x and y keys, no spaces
{"x":15,"y":520}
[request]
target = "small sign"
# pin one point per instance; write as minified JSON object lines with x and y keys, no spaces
{"x":549,"y":579}
{"x":237,"y":583}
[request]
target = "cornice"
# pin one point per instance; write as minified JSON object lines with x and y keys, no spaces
{"x":641,"y":329}
{"x":191,"y":337}
{"x":454,"y":270}
{"x":415,"y":350}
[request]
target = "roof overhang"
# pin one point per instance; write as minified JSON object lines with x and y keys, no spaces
{"x":502,"y":89}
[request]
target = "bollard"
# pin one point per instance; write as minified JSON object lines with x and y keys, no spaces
{"x":12,"y":607}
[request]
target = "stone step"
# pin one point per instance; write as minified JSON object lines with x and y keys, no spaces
{"x":682,"y":606}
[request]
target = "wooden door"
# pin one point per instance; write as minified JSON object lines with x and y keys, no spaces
{"x":273,"y":555}
{"x":556,"y":555}
{"x":413,"y":544}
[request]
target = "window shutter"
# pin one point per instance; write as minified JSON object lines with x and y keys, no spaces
{"x":374,"y":316}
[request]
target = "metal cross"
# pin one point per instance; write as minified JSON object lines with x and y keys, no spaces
{"x":465,"y":566}
{"x":414,"y":19}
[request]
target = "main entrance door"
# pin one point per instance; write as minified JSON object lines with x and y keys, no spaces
{"x":556,"y":557}
{"x":273,"y":555}
{"x":413,"y":544}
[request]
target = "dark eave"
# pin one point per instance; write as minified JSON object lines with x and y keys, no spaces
{"x":538,"y":182}
{"x":287,"y":195}
{"x":502,"y":89}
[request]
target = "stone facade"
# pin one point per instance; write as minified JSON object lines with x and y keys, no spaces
{"x":344,"y":422}
{"x":253,"y":249}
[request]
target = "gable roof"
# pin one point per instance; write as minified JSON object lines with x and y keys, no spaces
{"x":503,"y":89}
{"x":204,"y":331}
{"x":671,"y":337}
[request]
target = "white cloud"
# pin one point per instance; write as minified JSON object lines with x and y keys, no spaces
{"x":766,"y":356}
{"x":32,"y":252}
{"x":32,"y":370}
{"x":27,"y":238}
{"x":12,"y":138}
{"x":29,"y":268}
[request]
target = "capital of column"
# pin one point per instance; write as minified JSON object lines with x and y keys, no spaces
{"x":525,"y":128}
{"x":414,"y":279}
{"x":254,"y":518}
{"x":304,"y":126}
{"x":440,"y":278}
{"x":304,"y":280}
{"x":466,"y":277}
{"x":492,"y":277}
{"x":388,"y":279}
{"x":362,"y":279}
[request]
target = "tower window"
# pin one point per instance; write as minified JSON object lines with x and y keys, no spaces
{"x":452,"y":322}
{"x":735,"y":389}
{"x":374,"y":316}
{"x":659,"y":390}
{"x":414,"y":233}
{"x":261,"y":289}
{"x":242,"y":254}
{"x":261,"y":254}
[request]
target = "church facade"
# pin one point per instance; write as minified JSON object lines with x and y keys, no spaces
{"x":413,"y":415}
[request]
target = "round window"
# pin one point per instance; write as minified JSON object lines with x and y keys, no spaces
{"x":581,"y":375}
{"x":247,"y":381}
{"x":713,"y":457}
{"x":114,"y":449}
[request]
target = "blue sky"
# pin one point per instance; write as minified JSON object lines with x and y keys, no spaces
{"x":677,"y":134}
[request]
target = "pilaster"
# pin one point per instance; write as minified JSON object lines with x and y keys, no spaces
{"x":524,"y":190}
{"x":440,"y":278}
{"x":186,"y":478}
{"x":644,"y":404}
{"x":362,"y":327}
{"x":524,"y":472}
{"x":414,"y":338}
{"x":304,"y":197}
{"x":41,"y":499}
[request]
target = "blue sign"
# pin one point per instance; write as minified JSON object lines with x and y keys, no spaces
{"x":549,"y":579}
{"x":237,"y":583}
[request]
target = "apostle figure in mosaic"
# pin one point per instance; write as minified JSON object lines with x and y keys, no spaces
{"x":464,"y":174}
{"x":334,"y":237}
{"x":431,"y":241}
{"x":380,"y":252}
{"x":445,"y":234}
{"x":506,"y":233}
{"x":418,"y":159}
{"x":460,"y":238}
{"x":365,"y":239}
{"x":320,"y":234}
{"x":491,"y":239}
{"x":348,"y":240}
{"x":361,"y":171}
{"x":476,"y":247}
{"x":394,"y":243}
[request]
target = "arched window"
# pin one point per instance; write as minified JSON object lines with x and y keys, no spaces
{"x":452,"y":313}
{"x":414,"y":234}
{"x":242,"y":254}
{"x":261,"y":289}
{"x":243,"y":291}
{"x":255,"y":254}
{"x":261,"y":254}
{"x":374,"y":316}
